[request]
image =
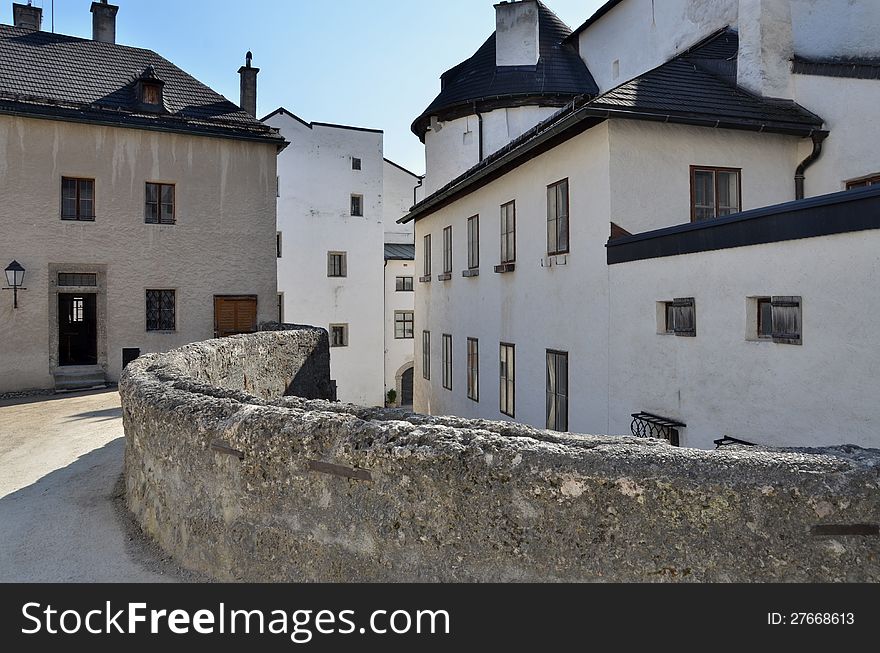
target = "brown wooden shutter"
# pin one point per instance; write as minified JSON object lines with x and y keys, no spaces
{"x":787,"y":320}
{"x":234,"y":315}
{"x":685,"y":313}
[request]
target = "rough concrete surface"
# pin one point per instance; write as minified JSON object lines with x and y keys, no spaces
{"x":62,"y":517}
{"x":241,"y":483}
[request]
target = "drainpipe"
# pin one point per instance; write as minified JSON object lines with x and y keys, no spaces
{"x":480,"y":134}
{"x":799,"y":177}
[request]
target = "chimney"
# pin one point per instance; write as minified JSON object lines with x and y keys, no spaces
{"x":249,"y":86}
{"x":104,"y":22}
{"x":27,"y":16}
{"x":516,"y":33}
{"x":766,"y":47}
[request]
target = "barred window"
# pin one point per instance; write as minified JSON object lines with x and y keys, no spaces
{"x":161,"y":309}
{"x":160,"y":204}
{"x":77,"y":199}
{"x":404,"y":322}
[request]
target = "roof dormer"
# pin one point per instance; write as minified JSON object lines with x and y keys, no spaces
{"x":149,"y":90}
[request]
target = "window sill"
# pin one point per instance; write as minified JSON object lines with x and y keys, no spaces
{"x":468,"y":274}
{"x":425,"y":279}
{"x":160,"y":332}
{"x":405,"y":338}
{"x":91,"y":219}
{"x":445,"y":277}
{"x":505,"y":268}
{"x":554,"y":260}
{"x":160,"y":224}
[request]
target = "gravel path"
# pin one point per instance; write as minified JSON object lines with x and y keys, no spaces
{"x":62,"y":518}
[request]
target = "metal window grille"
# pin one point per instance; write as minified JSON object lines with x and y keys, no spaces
{"x":161,"y":310}
{"x":647,"y":425}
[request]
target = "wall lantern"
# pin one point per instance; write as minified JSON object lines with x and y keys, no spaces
{"x":15,"y":278}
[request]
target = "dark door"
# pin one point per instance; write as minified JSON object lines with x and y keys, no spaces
{"x":406,"y":384}
{"x":77,"y":330}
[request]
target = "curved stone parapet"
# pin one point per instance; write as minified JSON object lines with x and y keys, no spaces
{"x":240,"y":482}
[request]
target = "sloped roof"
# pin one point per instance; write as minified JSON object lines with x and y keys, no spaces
{"x":400,"y":252}
{"x":559,"y":76}
{"x":67,"y":78}
{"x":701,"y":83}
{"x":697,"y":87}
{"x":840,"y":67}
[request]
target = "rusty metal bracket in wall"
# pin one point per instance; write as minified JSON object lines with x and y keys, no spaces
{"x":339,"y":470}
{"x":223,"y":448}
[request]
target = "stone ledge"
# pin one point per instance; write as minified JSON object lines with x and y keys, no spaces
{"x":240,"y":482}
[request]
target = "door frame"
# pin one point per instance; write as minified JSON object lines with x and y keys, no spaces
{"x":101,"y":293}
{"x":78,"y":295}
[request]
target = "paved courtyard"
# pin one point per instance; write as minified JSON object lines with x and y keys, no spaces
{"x":61,"y":514}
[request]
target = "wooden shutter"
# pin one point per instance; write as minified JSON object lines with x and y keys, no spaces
{"x":787,"y":320}
{"x":234,"y":315}
{"x":685,"y":313}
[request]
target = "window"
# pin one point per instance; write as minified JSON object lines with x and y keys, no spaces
{"x":787,"y":320}
{"x":281,"y":308}
{"x":447,"y":250}
{"x":357,"y":206}
{"x":872,"y":180}
{"x":508,"y":233}
{"x":337,"y":264}
{"x":557,"y":391}
{"x":161,"y":310}
{"x":426,"y":253}
{"x":277,"y":186}
{"x":77,"y":310}
{"x":473,"y":236}
{"x":235,"y":314}
{"x":668,"y":318}
{"x":473,"y":369}
{"x":160,"y":204}
{"x":426,"y":355}
{"x":355,"y":163}
{"x":447,"y":361}
{"x":508,"y":384}
{"x":278,"y":250}
{"x":715,"y":192}
{"x":764,"y":329}
{"x":557,"y":218}
{"x":77,"y":280}
{"x":404,"y":284}
{"x":339,"y":335}
{"x":678,"y":317}
{"x":404,"y":325}
{"x":78,"y":199}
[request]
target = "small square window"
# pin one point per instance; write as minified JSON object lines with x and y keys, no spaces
{"x":404,"y":284}
{"x":338,"y":335}
{"x":337,"y":264}
{"x":355,"y":163}
{"x":715,"y":193}
{"x":357,"y":206}
{"x":404,"y":325}
{"x":678,"y":317}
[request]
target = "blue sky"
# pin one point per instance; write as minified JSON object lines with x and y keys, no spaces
{"x":371,"y":63}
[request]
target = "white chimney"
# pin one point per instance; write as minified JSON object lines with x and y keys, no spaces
{"x":766,"y":47}
{"x":517,"y":33}
{"x":104,"y":22}
{"x":27,"y":16}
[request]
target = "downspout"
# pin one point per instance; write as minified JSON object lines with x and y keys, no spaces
{"x":480,"y":133}
{"x":799,"y":177}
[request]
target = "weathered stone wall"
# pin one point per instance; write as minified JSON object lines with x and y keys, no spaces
{"x":240,"y":483}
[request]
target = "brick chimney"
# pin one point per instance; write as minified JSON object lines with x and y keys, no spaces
{"x":104,"y":22}
{"x":517,"y":33}
{"x":766,"y":47}
{"x":27,"y":16}
{"x":249,"y":86}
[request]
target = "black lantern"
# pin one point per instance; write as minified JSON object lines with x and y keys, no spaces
{"x":15,"y":279}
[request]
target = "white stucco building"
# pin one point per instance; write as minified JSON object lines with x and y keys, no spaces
{"x":339,"y":200}
{"x":139,"y":202}
{"x":723,"y":304}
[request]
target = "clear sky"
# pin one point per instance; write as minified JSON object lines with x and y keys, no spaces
{"x":370,"y":63}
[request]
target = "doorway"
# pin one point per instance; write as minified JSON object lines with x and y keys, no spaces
{"x":77,"y":329}
{"x":406,"y":388}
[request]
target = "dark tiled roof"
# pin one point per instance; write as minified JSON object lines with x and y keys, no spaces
{"x":400,"y":252}
{"x":852,"y":68}
{"x":559,"y":76}
{"x":63,"y":77}
{"x":696,"y":88}
{"x":701,"y":83}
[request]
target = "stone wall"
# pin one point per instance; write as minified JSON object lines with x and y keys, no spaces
{"x":241,"y":483}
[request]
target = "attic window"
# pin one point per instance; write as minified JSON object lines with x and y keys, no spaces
{"x":150,"y":90}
